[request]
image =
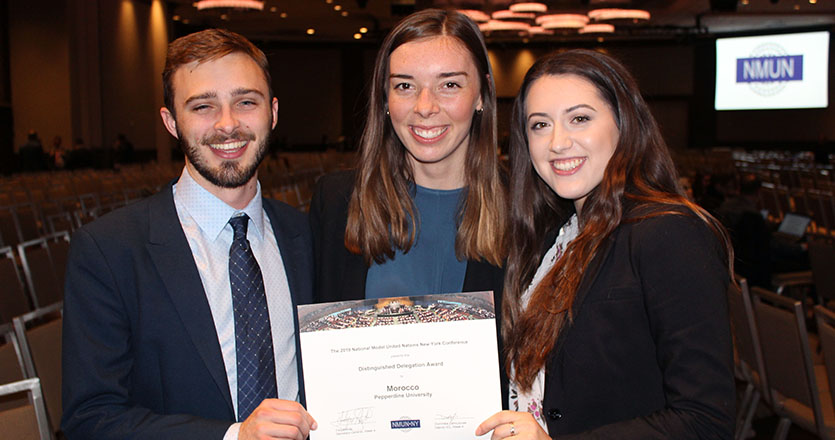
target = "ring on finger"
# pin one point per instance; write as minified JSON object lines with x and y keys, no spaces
{"x":512,"y":429}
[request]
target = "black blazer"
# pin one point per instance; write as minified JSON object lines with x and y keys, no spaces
{"x":340,"y":275}
{"x":649,"y":352}
{"x":141,"y":357}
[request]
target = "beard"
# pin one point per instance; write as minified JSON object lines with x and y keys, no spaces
{"x":230,"y":173}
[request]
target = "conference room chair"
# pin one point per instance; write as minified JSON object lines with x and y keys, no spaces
{"x":44,"y":273}
{"x":13,"y":299}
{"x":60,"y":221}
{"x":798,"y":391}
{"x":748,"y":355}
{"x":29,"y":421}
{"x":12,"y":368}
{"x":823,"y":203}
{"x":825,"y":319}
{"x":822,"y":261}
{"x":39,"y":334}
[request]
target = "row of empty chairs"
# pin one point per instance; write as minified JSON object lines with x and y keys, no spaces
{"x":775,"y":360}
{"x":30,"y":375}
{"x":32,"y":274}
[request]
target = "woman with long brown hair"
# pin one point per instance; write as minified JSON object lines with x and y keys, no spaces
{"x":425,"y":210}
{"x":615,"y":319}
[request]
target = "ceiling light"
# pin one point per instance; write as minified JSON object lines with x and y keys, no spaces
{"x":344,"y":13}
{"x":498,"y":25}
{"x":311,"y":31}
{"x":597,"y":28}
{"x":273,"y":9}
{"x":618,"y":14}
{"x":363,"y":30}
{"x":337,"y":7}
{"x":529,"y":7}
{"x":539,"y":30}
{"x":357,"y":36}
{"x":507,"y":14}
{"x":812,"y":2}
{"x":224,"y":17}
{"x":564,"y":17}
{"x":176,"y":18}
{"x":283,"y":15}
{"x":239,"y":4}
{"x":562,"y":21}
{"x":475,"y":15}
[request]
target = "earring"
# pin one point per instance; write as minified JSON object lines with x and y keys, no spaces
{"x":387,"y":113}
{"x":480,"y":111}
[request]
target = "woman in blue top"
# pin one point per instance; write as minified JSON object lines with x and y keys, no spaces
{"x":424,"y":212}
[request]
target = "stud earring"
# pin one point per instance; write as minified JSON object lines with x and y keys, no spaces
{"x":480,"y":111}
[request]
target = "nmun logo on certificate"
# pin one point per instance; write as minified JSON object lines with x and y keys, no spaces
{"x":405,"y":424}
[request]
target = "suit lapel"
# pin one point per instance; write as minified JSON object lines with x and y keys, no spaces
{"x":591,"y":274}
{"x":171,"y":254}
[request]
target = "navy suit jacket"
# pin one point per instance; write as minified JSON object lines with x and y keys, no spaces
{"x":141,"y":357}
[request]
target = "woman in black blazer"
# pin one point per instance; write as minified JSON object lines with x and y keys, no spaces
{"x":429,"y":142}
{"x":615,"y":318}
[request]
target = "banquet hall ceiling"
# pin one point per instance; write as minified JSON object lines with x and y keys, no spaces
{"x":289,"y":20}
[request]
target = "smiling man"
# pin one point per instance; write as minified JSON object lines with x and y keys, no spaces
{"x":178,"y":313}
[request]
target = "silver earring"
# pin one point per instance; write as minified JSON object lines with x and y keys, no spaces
{"x":480,"y":111}
{"x":387,"y":113}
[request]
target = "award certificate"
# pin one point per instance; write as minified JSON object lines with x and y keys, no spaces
{"x":420,"y":367}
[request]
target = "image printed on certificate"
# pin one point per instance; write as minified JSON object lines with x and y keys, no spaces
{"x":416,"y":367}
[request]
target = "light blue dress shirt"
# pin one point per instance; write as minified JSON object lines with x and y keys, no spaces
{"x":205,"y":221}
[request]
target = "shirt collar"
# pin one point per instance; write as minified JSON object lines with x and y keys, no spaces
{"x":212,"y":214}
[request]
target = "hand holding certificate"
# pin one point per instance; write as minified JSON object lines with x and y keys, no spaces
{"x":417,"y":367}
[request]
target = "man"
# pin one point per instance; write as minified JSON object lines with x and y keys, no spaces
{"x":178,"y":318}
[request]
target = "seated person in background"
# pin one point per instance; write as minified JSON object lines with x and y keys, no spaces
{"x":615,"y":314}
{"x":749,"y":231}
{"x":179,"y":309}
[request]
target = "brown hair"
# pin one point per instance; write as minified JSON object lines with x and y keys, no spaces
{"x":203,"y":46}
{"x":381,"y":214}
{"x":640,"y":181}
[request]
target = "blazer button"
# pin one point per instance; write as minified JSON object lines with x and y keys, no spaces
{"x":554,"y":414}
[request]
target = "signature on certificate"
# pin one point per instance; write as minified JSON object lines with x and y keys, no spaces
{"x":451,"y":421}
{"x":354,"y":420}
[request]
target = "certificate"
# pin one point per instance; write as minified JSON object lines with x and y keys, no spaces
{"x":420,"y":367}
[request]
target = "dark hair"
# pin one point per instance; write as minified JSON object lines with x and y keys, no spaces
{"x":381,"y":212}
{"x":640,"y":181}
{"x":203,"y":46}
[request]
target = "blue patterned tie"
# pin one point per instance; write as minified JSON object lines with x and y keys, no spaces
{"x":253,"y":338}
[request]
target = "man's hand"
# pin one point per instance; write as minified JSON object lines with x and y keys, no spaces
{"x":277,"y":419}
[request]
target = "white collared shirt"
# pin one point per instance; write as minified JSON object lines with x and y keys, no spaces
{"x":205,"y":221}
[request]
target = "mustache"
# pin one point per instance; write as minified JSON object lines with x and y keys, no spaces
{"x":237,"y":135}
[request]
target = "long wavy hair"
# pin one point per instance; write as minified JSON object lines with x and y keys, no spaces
{"x":640,"y":181}
{"x":381,"y":213}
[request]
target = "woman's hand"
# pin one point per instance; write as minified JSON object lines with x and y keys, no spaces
{"x":512,"y":424}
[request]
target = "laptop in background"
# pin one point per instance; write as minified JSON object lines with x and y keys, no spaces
{"x":793,"y":227}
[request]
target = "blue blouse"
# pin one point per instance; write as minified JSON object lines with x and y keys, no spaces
{"x":430,"y":266}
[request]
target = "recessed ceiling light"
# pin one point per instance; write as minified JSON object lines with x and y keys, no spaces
{"x":311,"y":31}
{"x":337,"y":7}
{"x":344,"y":13}
{"x":283,"y":15}
{"x":176,"y":18}
{"x":357,"y":36}
{"x":273,"y":9}
{"x":363,"y":30}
